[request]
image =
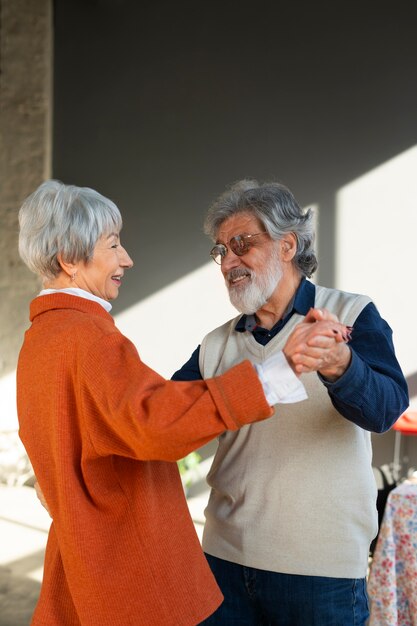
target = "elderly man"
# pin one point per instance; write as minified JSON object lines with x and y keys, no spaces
{"x":292,"y":507}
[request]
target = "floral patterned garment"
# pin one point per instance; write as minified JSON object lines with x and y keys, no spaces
{"x":392,"y":584}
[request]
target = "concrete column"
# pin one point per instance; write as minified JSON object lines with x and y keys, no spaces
{"x":25,"y":152}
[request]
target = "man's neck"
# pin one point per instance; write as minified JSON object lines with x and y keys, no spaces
{"x":277,"y":305}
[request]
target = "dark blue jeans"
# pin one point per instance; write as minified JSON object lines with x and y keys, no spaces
{"x":255,"y":597}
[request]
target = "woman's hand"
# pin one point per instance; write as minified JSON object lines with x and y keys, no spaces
{"x":319,"y":344}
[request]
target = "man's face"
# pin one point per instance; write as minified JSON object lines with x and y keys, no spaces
{"x":251,"y":279}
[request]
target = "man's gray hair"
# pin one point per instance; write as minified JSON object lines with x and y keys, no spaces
{"x":277,"y":209}
{"x":65,"y":220}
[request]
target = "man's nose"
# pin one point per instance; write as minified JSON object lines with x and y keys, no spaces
{"x":229,"y":261}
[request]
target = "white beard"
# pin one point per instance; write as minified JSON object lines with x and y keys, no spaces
{"x":250,"y":298}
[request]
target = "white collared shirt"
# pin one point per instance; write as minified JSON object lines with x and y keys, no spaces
{"x":81,"y":293}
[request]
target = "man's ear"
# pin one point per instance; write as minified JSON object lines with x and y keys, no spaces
{"x":288,"y":247}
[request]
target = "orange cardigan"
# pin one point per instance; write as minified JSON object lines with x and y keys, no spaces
{"x":103,"y":431}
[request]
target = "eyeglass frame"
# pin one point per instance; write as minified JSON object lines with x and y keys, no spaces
{"x":221,"y":249}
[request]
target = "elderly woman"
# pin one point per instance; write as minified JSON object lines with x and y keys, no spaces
{"x":103,"y":430}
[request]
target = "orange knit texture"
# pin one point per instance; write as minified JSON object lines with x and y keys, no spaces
{"x":103,"y":432}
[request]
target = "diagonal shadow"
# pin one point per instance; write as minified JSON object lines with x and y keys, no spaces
{"x":18,"y":597}
{"x":26,"y":564}
{"x":10,"y":520}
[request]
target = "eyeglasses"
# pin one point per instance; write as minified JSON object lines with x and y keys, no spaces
{"x":239,"y":245}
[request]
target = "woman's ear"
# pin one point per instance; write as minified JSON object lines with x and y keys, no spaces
{"x":70,"y":269}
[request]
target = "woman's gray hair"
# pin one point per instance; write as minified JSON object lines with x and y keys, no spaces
{"x":277,"y":209}
{"x":65,"y":220}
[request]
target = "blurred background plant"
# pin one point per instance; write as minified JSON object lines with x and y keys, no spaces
{"x":189,"y":469}
{"x":15,"y":467}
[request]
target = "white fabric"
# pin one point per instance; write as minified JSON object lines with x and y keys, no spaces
{"x":81,"y":293}
{"x":280,"y":383}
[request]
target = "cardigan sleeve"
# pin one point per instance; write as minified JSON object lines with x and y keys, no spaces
{"x":131,"y":410}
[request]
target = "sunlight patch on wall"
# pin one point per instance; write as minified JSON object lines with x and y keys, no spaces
{"x":376,"y":239}
{"x":167,"y":326}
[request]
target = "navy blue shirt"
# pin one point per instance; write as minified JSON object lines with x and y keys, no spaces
{"x":372,"y":392}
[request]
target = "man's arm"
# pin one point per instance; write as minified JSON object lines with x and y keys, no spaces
{"x":191,"y":369}
{"x":363,"y":377}
{"x":371,"y":390}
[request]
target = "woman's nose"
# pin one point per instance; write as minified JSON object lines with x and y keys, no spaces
{"x":126,"y":261}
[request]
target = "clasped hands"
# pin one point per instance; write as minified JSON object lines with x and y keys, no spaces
{"x":318,"y":344}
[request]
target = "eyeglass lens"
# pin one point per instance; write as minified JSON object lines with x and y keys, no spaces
{"x":239,"y":245}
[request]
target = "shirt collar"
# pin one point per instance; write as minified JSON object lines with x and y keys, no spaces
{"x":81,"y":293}
{"x":302,"y":303}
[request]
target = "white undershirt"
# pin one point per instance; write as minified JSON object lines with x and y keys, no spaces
{"x":81,"y":293}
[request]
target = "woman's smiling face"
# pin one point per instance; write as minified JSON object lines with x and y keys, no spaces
{"x":103,"y":273}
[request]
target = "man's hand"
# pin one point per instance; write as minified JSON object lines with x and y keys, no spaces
{"x":319,"y":344}
{"x":41,"y":497}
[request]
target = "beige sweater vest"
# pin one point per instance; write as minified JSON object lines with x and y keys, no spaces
{"x":296,"y":493}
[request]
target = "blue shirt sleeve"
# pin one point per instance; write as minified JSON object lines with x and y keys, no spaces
{"x":191,"y":369}
{"x":372,"y":392}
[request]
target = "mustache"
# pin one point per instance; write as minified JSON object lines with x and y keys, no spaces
{"x":237,"y":272}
